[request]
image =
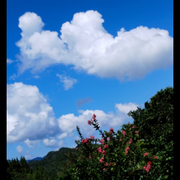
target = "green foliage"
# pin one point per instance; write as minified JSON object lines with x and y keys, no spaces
{"x":155,"y":123}
{"x":47,"y":168}
{"x":17,"y":169}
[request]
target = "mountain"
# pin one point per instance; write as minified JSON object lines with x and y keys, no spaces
{"x":53,"y":160}
{"x":35,"y":159}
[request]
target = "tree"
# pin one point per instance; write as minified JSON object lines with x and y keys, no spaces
{"x":155,"y":123}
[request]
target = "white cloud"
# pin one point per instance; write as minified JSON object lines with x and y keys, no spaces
{"x":85,"y":44}
{"x":31,"y":119}
{"x":36,"y":77}
{"x":19,"y":149}
{"x":125,"y":108}
{"x":68,"y":122}
{"x":9,"y":61}
{"x":13,"y":77}
{"x":30,"y":143}
{"x":67,"y":81}
{"x":49,"y":142}
{"x":63,"y":135}
{"x":29,"y":116}
{"x":30,"y":23}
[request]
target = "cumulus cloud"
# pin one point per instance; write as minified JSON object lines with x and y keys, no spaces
{"x":80,"y":102}
{"x":85,"y":44}
{"x":67,"y":81}
{"x":49,"y":142}
{"x":127,"y":107}
{"x":52,"y":143}
{"x":68,"y":122}
{"x":30,"y":23}
{"x":29,"y":116}
{"x":19,"y":149}
{"x":30,"y":119}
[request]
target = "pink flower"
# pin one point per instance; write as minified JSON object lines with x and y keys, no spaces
{"x":129,"y":142}
{"x":155,"y":157}
{"x":89,"y":122}
{"x":148,"y":166}
{"x":109,"y":138}
{"x":85,"y":141}
{"x":111,"y":131}
{"x":102,"y":141}
{"x":106,"y":146}
{"x":137,"y":132}
{"x":126,"y":150}
{"x":104,"y":152}
{"x":101,"y":160}
{"x":145,"y":154}
{"x":92,"y":137}
{"x":94,"y":116}
{"x":104,"y":169}
{"x":90,"y":157}
{"x":120,"y":140}
{"x":106,"y":164}
{"x":112,"y":163}
{"x":76,"y":148}
{"x":133,"y":127}
{"x":124,"y":132}
{"x":99,"y":149}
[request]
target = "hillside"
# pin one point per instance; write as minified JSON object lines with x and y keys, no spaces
{"x":53,"y":160}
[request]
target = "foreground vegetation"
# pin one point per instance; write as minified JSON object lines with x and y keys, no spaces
{"x":155,"y":123}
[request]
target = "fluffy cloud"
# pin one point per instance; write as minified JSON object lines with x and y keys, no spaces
{"x":30,"y":23}
{"x":85,"y":44}
{"x":31,"y":119}
{"x":67,"y":81}
{"x":29,"y":116}
{"x":125,"y":108}
{"x":49,"y":142}
{"x":19,"y":149}
{"x":68,"y":122}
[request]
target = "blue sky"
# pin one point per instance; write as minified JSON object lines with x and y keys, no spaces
{"x":69,"y":59}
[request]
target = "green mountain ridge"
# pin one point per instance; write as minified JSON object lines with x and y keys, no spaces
{"x":54,"y":160}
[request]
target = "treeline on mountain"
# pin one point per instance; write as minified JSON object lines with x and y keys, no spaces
{"x":47,"y":168}
{"x":154,"y":121}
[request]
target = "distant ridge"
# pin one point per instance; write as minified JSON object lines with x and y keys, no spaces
{"x":36,"y":159}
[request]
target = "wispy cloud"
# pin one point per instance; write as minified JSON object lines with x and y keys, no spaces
{"x":80,"y":102}
{"x":36,"y":77}
{"x":9,"y":61}
{"x":13,"y":77}
{"x":67,"y":81}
